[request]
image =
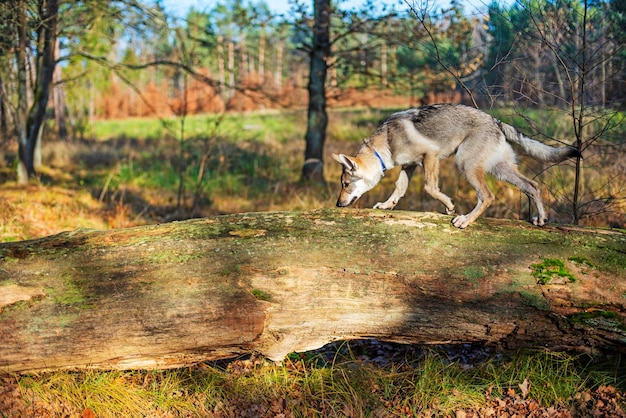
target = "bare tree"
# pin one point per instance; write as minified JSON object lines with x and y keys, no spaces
{"x":581,"y":49}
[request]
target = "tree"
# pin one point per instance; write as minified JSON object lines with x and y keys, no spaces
{"x":317,"y":119}
{"x":175,"y":294}
{"x":42,"y":39}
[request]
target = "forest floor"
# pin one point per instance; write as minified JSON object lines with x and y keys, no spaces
{"x":376,"y":379}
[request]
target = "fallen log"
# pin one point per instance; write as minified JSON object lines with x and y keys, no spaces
{"x":175,"y":294}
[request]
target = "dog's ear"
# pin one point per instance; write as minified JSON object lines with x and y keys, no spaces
{"x":345,"y":161}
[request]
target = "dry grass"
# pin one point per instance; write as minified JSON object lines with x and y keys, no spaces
{"x":539,"y":384}
{"x":36,"y":211}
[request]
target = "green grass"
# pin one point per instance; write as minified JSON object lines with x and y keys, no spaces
{"x":234,"y":127}
{"x":307,"y":386}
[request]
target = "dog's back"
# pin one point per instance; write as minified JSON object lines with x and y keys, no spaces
{"x":442,"y":126}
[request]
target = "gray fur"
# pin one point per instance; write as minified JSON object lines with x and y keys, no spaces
{"x":424,"y":135}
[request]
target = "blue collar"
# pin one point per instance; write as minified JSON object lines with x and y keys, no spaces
{"x":382,"y":163}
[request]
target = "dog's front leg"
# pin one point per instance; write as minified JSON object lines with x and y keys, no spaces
{"x":401,"y":185}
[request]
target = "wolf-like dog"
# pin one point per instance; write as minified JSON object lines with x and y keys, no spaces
{"x":425,"y":135}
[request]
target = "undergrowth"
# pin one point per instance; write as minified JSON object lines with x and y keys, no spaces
{"x":305,"y":385}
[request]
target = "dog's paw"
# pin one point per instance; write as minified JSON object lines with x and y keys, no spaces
{"x":461,"y":222}
{"x":385,"y":205}
{"x":450,"y":211}
{"x":539,"y":222}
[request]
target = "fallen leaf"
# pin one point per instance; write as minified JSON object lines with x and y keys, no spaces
{"x":525,"y":388}
{"x":88,"y":413}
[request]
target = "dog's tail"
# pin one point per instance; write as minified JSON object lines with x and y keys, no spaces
{"x":536,"y":149}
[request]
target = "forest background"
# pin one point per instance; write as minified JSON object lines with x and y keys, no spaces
{"x":157,"y":117}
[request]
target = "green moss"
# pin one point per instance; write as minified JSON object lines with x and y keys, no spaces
{"x":9,"y":260}
{"x":583,"y":316}
{"x":581,"y":260}
{"x":68,"y":294}
{"x":473,"y":273}
{"x":236,"y":269}
{"x":549,"y":269}
{"x":16,"y":308}
{"x":536,"y":300}
{"x":599,"y":319}
{"x":261,"y":295}
{"x":172,"y":258}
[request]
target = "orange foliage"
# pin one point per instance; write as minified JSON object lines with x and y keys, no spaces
{"x":252,"y":93}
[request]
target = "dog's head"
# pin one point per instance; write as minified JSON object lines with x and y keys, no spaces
{"x":357,"y":178}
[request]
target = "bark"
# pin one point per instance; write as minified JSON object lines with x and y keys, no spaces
{"x":231,"y":70}
{"x":317,"y":120}
{"x":22,"y":96}
{"x":278,"y":72}
{"x":383,"y":65}
{"x":30,"y":126}
{"x":220,"y":64}
{"x":262,"y":55}
{"x":174,"y":294}
{"x":58,"y":96}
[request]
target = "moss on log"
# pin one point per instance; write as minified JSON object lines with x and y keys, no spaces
{"x":175,"y":294}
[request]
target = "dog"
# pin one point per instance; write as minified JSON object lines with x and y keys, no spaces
{"x":427,"y":134}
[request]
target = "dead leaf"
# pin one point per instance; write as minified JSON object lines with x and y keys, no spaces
{"x":88,"y":413}
{"x":525,"y":388}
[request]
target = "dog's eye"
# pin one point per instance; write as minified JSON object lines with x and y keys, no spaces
{"x":345,"y":184}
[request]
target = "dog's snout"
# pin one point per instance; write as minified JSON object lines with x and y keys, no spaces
{"x":343,"y":204}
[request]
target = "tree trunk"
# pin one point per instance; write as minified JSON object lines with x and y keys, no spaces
{"x":244,"y":64}
{"x":58,"y":95}
{"x":262,"y":56}
{"x":220,"y":65}
{"x":313,"y":168}
{"x":383,"y":65}
{"x":4,"y":112}
{"x":278,"y":72}
{"x":30,"y":129}
{"x":231,"y":70}
{"x":174,"y":294}
{"x":25,"y":165}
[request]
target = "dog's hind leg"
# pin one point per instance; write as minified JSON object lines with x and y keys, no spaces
{"x":509,"y":173}
{"x":401,"y":185}
{"x":431,"y":182}
{"x":476,"y":177}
